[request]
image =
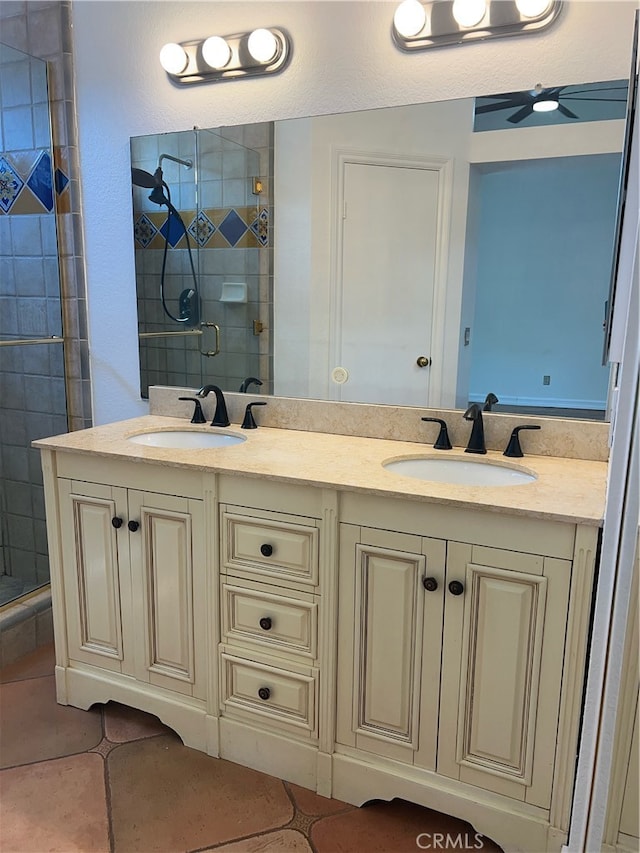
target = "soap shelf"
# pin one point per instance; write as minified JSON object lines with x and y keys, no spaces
{"x":234,"y":291}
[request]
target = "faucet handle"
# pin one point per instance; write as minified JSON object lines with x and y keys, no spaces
{"x":442,"y":441}
{"x":249,"y":421}
{"x":198,"y":414}
{"x":513,"y":448}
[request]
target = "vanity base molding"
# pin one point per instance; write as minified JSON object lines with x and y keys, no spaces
{"x":85,"y":687}
{"x":517,"y":828}
{"x":275,"y":754}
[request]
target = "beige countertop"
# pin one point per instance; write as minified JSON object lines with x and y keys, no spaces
{"x":565,"y":489}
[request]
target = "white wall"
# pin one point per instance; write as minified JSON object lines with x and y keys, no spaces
{"x":343,"y":59}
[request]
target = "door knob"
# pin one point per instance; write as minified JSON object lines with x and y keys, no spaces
{"x":423,"y":361}
{"x":133,"y":526}
{"x":116,"y":522}
{"x":430,"y":584}
{"x":456,"y":588}
{"x":264,"y":693}
{"x":266,"y":550}
{"x":265,"y":623}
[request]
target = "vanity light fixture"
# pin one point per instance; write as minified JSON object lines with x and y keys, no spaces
{"x":469,"y":13}
{"x":418,"y":26}
{"x":262,"y":51}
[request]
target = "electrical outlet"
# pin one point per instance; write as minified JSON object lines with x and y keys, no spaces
{"x":546,"y":380}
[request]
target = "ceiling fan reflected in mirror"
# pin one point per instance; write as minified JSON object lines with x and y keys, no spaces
{"x":563,"y":99}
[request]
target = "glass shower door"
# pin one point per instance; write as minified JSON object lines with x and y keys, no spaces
{"x":32,"y":378}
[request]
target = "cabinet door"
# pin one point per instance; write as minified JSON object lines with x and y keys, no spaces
{"x":502,"y":670}
{"x":168,"y":585}
{"x":96,"y":567}
{"x":389,"y":643}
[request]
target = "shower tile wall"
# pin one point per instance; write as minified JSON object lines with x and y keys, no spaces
{"x":41,"y":278}
{"x":42,"y":28}
{"x":228,"y":225}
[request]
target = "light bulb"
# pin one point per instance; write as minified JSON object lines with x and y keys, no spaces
{"x":173,"y":58}
{"x":262,"y":45}
{"x":545,"y":106}
{"x":532,"y":8}
{"x":468,"y":13}
{"x":216,"y":52}
{"x":409,"y":18}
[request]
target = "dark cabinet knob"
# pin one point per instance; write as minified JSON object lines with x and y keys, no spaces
{"x":264,"y":693}
{"x":430,"y":584}
{"x":456,"y":588}
{"x":133,"y":526}
{"x":266,"y":550}
{"x":116,"y":522}
{"x":265,"y":623}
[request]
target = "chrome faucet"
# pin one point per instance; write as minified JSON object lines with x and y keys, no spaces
{"x":476,"y":439}
{"x":220,"y":418}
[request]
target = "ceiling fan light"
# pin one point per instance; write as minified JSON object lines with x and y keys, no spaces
{"x":532,"y":8}
{"x":469,"y":13}
{"x":409,"y":18}
{"x":545,"y":105}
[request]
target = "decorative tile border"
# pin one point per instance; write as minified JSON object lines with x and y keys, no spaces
{"x":29,"y":184}
{"x":212,"y":228}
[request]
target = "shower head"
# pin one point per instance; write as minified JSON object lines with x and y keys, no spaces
{"x":157,"y":196}
{"x":140,"y":178}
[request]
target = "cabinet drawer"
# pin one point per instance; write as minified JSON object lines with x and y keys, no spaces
{"x":276,"y":622}
{"x":270,"y":547}
{"x":268,"y":692}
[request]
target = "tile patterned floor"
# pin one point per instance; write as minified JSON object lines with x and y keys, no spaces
{"x":117,"y":780}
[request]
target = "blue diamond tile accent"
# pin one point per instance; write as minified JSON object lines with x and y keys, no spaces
{"x":61,"y":181}
{"x":232,"y":227}
{"x":144,"y":230}
{"x":260,"y":227}
{"x":40,"y":181}
{"x":201,"y":229}
{"x":171,"y":230}
{"x":10,"y":185}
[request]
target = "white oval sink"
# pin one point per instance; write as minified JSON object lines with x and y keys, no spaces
{"x":186,"y":439}
{"x":463,"y":472}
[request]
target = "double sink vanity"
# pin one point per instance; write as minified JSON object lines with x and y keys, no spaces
{"x":299,"y":602}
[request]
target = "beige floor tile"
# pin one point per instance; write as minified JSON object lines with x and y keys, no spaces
{"x":166,"y":797}
{"x":394,"y":828}
{"x":57,"y":805}
{"x":282,"y":841}
{"x":40,"y":662}
{"x":123,"y":724}
{"x":312,"y":804}
{"x":35,"y":727}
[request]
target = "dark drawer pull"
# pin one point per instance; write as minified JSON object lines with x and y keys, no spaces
{"x":430,"y":584}
{"x":266,"y":550}
{"x":264,"y":693}
{"x":456,"y":588}
{"x":133,"y":526}
{"x":265,"y":623}
{"x":116,"y":522}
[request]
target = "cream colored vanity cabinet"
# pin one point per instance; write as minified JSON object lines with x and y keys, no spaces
{"x":460,"y":661}
{"x":274,"y":576}
{"x":131,"y":584}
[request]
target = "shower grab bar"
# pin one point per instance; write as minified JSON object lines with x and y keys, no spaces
{"x":169,"y":334}
{"x":24,"y":342}
{"x":206,"y":325}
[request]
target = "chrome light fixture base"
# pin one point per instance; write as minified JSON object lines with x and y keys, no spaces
{"x":241,"y":63}
{"x":501,"y":18}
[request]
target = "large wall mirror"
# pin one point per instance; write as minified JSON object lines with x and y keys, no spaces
{"x":423,"y":255}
